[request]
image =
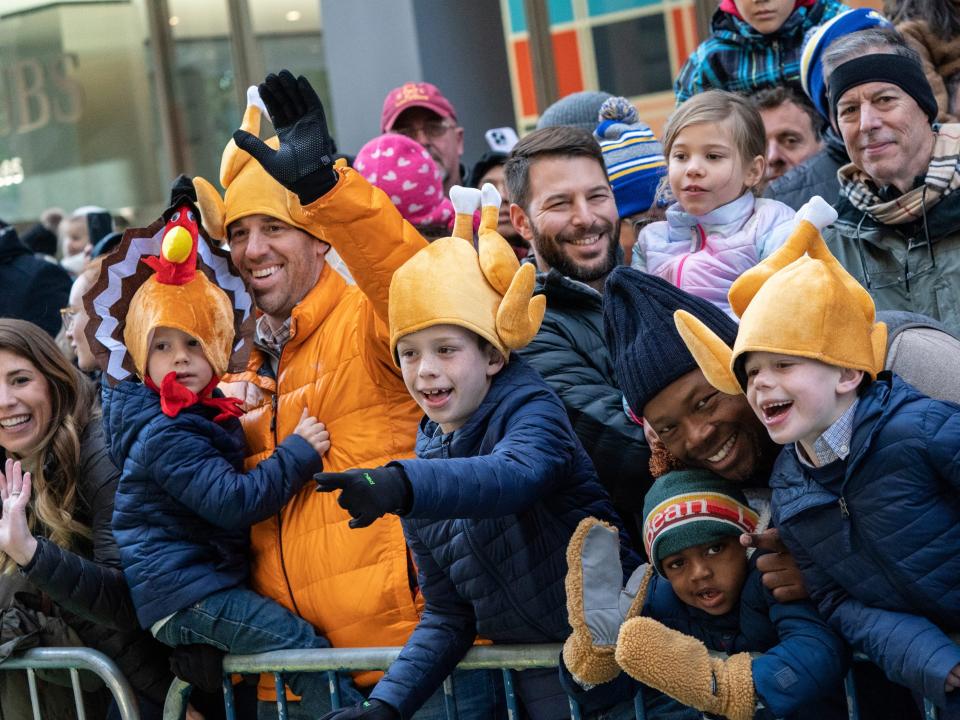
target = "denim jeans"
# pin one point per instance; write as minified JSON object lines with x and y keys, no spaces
{"x":241,"y":622}
{"x":478,"y":695}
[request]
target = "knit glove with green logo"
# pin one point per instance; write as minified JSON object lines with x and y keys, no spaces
{"x":368,"y":494}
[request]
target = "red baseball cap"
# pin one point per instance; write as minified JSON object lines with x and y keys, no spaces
{"x":408,"y":95}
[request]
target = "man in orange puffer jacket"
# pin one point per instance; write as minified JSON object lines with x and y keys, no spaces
{"x":322,"y":346}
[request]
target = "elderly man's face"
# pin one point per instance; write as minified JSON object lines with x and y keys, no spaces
{"x":705,"y":428}
{"x":886,"y":133}
{"x":791,"y":138}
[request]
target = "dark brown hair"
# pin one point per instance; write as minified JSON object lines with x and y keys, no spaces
{"x":54,"y":464}
{"x":559,"y":141}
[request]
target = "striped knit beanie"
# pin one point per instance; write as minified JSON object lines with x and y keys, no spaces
{"x":632,"y":154}
{"x":691,"y":507}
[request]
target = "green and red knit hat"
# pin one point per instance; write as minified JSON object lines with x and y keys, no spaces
{"x":691,"y":507}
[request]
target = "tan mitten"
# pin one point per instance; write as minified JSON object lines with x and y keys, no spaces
{"x":596,"y":602}
{"x":681,"y":666}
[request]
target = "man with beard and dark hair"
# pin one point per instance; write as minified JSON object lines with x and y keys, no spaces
{"x":564,"y":207}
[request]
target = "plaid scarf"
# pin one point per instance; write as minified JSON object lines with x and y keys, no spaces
{"x":942,"y":178}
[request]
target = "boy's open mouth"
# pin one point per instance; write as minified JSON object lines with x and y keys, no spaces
{"x":709,"y":597}
{"x":775,"y":410}
{"x":436,"y":397}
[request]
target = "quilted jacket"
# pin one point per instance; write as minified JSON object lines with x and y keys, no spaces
{"x":704,"y":254}
{"x":570,"y":353}
{"x":494,"y":505}
{"x":183,"y":508}
{"x":878,"y":536}
{"x":798,"y":676}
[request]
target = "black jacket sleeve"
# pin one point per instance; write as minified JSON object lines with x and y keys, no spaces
{"x":91,"y":588}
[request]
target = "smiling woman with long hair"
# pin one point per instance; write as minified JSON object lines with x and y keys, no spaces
{"x":57,"y":489}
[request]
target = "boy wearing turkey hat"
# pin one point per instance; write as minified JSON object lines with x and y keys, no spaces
{"x":865,"y":492}
{"x":500,"y":480}
{"x":184,"y":506}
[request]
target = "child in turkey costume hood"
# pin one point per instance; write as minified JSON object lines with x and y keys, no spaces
{"x":183,"y":505}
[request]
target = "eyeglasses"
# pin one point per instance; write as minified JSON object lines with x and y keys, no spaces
{"x":432,"y":129}
{"x":69,"y":316}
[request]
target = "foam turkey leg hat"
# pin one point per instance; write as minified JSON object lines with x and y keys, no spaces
{"x":485,"y":290}
{"x":799,"y":301}
{"x":168,"y":275}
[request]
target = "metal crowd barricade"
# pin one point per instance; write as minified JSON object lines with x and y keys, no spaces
{"x":74,"y":659}
{"x":506,"y":658}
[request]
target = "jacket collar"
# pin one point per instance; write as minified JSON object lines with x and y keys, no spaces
{"x":733,"y":28}
{"x":308,"y":314}
{"x":724,"y":220}
{"x":561,"y":289}
{"x":515,"y":377}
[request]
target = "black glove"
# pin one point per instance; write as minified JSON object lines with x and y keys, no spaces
{"x":368,"y":494}
{"x":200,"y":665}
{"x":367,"y":710}
{"x":304,"y":162}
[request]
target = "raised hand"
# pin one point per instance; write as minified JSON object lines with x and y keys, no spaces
{"x":304,"y":161}
{"x":16,"y":540}
{"x":314,"y":432}
{"x":368,"y":494}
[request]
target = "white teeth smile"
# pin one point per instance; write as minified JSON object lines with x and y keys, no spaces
{"x":723,"y":451}
{"x":265,"y":272}
{"x":434,"y":392}
{"x":14,"y":421}
{"x":773,"y":408}
{"x":588,"y":240}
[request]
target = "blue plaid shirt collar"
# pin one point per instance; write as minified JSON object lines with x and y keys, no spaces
{"x":834,"y":444}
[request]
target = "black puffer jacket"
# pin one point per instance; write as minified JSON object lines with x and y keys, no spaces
{"x":89,"y":586}
{"x":570,"y":352}
{"x":30,"y":288}
{"x":816,"y":176}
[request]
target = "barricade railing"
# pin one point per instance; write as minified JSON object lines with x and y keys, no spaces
{"x":74,"y":659}
{"x":506,"y":658}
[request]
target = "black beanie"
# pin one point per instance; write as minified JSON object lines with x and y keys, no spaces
{"x":647,"y":351}
{"x":40,"y":239}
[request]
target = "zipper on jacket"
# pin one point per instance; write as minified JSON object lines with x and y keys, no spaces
{"x":844,"y":510}
{"x":274,"y":403}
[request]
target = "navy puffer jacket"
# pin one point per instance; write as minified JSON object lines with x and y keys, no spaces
{"x":183,"y":507}
{"x":878,"y":536}
{"x":518,"y":481}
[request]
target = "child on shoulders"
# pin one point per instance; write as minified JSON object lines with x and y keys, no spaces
{"x":753,"y":45}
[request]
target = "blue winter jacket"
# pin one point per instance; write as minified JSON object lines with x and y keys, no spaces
{"x":878,"y":536}
{"x":799,"y":676}
{"x":517,"y":481}
{"x":184,"y":507}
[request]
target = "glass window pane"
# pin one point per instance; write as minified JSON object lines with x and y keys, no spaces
{"x":633,"y":57}
{"x":76,"y":126}
{"x":289,"y":35}
{"x":205,"y":99}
